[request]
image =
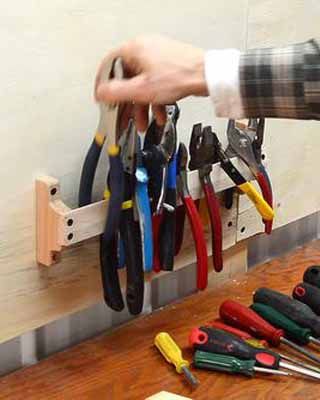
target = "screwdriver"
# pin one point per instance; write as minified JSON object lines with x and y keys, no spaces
{"x":233,"y":365}
{"x":293,"y":309}
{"x":312,"y":275}
{"x":217,"y":341}
{"x":309,"y":295}
{"x":218,"y":324}
{"x":173,"y":355}
{"x":292,"y":330}
{"x":260,"y":344}
{"x":244,"y":318}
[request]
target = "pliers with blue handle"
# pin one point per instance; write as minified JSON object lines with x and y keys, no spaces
{"x":144,"y":209}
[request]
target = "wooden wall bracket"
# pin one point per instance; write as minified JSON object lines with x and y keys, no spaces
{"x":59,"y":226}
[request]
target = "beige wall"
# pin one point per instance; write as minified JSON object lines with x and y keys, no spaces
{"x":49,"y":54}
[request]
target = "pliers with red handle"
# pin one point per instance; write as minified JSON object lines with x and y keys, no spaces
{"x":246,"y":143}
{"x":194,"y":218}
{"x":203,"y":153}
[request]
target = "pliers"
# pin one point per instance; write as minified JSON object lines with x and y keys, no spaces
{"x":194,"y":218}
{"x":243,"y":185}
{"x":159,"y":158}
{"x":247,"y":143}
{"x":203,"y":153}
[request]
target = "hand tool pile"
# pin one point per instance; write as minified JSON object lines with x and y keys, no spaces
{"x":237,"y":342}
{"x":147,"y":175}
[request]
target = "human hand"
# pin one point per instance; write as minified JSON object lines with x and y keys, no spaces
{"x":158,"y":71}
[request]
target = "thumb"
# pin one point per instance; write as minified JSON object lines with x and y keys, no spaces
{"x":122,"y":90}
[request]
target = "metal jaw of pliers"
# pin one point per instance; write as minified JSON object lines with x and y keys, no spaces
{"x":246,"y":143}
{"x":203,"y":153}
{"x":194,"y":218}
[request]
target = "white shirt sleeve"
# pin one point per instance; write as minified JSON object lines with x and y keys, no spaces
{"x":222,"y":76}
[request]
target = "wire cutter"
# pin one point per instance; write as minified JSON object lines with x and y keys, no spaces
{"x":194,"y":218}
{"x":246,"y":143}
{"x":203,"y":153}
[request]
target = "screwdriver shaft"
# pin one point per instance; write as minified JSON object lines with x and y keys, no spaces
{"x":300,"y":363}
{"x":300,"y":350}
{"x":314,"y":340}
{"x":271,"y":371}
{"x":300,"y":370}
{"x":190,"y":377}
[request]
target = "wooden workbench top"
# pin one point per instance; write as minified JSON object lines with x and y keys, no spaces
{"x":125,"y":365}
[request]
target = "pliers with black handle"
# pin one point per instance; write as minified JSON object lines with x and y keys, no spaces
{"x":194,"y":218}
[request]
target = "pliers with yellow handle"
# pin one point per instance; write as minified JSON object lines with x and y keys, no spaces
{"x":246,"y":187}
{"x":245,"y":141}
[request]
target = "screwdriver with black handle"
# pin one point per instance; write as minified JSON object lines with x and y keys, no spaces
{"x":217,"y":341}
{"x":309,"y":295}
{"x":243,"y":317}
{"x":293,"y":309}
{"x":260,"y":344}
{"x":312,"y":275}
{"x":232,"y":365}
{"x":173,"y":355}
{"x":294,"y":331}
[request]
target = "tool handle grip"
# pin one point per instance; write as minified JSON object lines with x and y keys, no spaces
{"x":145,"y":218}
{"x":156,"y":222}
{"x":218,"y":341}
{"x":312,"y":275}
{"x":218,"y":324}
{"x":88,"y":172}
{"x":293,"y":309}
{"x":180,"y":223}
{"x":292,"y":330}
{"x":216,"y":225}
{"x":170,"y":351}
{"x":167,"y":232}
{"x":220,"y":362}
{"x":109,"y":274}
{"x":261,"y":205}
{"x":309,"y":295}
{"x":199,"y":240}
{"x":242,"y":317}
{"x":116,"y":188}
{"x":266,"y":189}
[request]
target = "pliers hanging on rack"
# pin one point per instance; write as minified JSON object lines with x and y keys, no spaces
{"x":243,"y":185}
{"x":194,"y":218}
{"x":246,"y":143}
{"x":203,"y":153}
{"x":159,"y":158}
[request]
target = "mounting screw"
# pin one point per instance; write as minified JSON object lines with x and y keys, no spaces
{"x":229,"y":224}
{"x":53,"y":191}
{"x":242,"y":229}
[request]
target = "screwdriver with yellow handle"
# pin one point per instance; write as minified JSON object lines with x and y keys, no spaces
{"x":173,"y":355}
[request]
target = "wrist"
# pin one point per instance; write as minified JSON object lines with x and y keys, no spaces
{"x":195,"y":81}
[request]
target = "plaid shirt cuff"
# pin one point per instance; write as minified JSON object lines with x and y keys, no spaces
{"x":281,"y":82}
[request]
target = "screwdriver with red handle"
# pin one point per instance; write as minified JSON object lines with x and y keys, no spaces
{"x":243,"y":317}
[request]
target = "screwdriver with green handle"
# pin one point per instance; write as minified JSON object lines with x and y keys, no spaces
{"x":292,"y":330}
{"x":173,"y":355}
{"x":233,"y":365}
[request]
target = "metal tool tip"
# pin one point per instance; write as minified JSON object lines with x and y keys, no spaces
{"x":190,"y":377}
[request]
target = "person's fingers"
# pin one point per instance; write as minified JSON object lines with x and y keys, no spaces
{"x":124,"y":90}
{"x":159,"y":112}
{"x":141,"y":114}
